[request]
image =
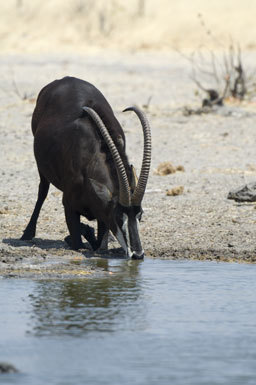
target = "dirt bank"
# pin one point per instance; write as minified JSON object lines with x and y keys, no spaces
{"x":217,"y":152}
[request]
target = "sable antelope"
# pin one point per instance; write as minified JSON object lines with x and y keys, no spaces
{"x":79,"y":147}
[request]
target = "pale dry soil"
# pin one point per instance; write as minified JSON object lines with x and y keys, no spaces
{"x":216,"y":150}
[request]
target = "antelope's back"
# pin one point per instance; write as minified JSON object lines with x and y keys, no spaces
{"x":66,"y":141}
{"x":63,"y":100}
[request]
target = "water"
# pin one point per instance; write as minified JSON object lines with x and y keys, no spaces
{"x":151,"y":322}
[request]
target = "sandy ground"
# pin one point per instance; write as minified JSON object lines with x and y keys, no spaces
{"x":217,"y":152}
{"x":85,"y":25}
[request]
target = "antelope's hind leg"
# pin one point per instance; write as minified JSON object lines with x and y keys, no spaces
{"x":30,"y":230}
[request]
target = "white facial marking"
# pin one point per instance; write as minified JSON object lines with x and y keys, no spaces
{"x":121,"y":240}
{"x":126,"y":230}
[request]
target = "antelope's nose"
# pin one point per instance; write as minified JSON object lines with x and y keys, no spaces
{"x":138,"y":255}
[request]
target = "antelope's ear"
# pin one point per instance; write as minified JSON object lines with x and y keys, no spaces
{"x":134,"y":178}
{"x":101,"y":191}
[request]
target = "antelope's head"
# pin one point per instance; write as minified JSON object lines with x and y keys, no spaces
{"x":127,"y":212}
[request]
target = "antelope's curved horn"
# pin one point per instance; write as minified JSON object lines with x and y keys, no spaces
{"x":124,"y":189}
{"x":138,"y":194}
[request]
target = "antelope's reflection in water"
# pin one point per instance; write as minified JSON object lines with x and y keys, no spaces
{"x":107,"y":303}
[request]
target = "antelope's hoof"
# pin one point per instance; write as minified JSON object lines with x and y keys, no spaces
{"x":27,"y":236}
{"x":68,"y":240}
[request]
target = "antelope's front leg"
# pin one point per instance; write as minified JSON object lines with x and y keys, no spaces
{"x":73,"y":223}
{"x":102,"y":241}
{"x":88,"y":233}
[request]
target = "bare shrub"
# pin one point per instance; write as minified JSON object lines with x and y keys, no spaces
{"x":220,"y":75}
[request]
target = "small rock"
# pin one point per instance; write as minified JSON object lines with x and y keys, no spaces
{"x":246,"y":193}
{"x":7,"y":368}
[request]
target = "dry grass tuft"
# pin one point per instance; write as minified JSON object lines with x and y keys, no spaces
{"x":166,"y":168}
{"x":175,"y":191}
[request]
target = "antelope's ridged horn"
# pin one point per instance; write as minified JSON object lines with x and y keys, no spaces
{"x":124,"y":189}
{"x":143,"y":178}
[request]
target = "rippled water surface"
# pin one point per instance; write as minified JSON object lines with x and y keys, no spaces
{"x":151,"y":322}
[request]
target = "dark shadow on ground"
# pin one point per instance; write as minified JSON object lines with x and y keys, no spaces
{"x":48,"y":244}
{"x":37,"y":242}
